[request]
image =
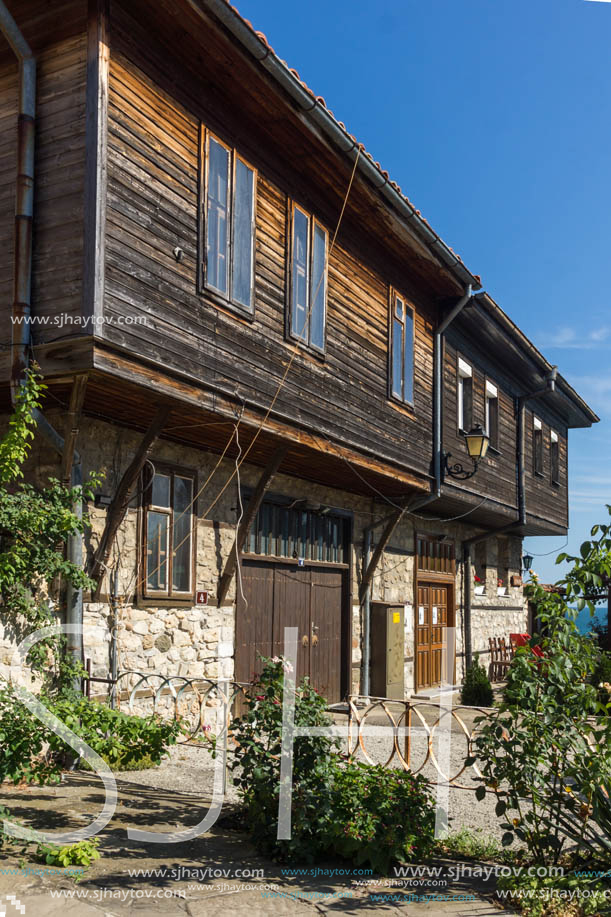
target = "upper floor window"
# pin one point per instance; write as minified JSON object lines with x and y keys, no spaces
{"x":465,"y":396}
{"x":229,"y":217}
{"x":537,"y":446}
{"x":554,"y":457}
{"x":402,"y":349}
{"x":168,"y":535}
{"x":308,"y":280}
{"x":492,"y":414}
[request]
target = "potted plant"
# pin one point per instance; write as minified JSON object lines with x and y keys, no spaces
{"x":501,"y":589}
{"x":479,"y":586}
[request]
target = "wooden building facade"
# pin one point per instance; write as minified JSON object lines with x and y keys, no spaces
{"x":237,"y":312}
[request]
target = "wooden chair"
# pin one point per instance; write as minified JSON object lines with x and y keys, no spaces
{"x":501,"y":655}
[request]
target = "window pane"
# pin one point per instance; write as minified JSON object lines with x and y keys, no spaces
{"x":244,"y":201}
{"x":157,"y":551}
{"x":467,"y":404}
{"x":319,"y":292}
{"x":182,"y":545}
{"x":555,"y":462}
{"x":408,"y":356}
{"x":300,"y":275}
{"x":161,"y":490}
{"x":217,"y":216}
{"x":397,"y":358}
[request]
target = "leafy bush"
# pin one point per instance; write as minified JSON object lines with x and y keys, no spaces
{"x":82,"y":853}
{"x":555,"y":896}
{"x":256,"y":765}
{"x":547,"y":751}
{"x":367,"y":814}
{"x":472,"y":844}
{"x":378,"y":816}
{"x":476,"y":689}
{"x":31,"y":752}
{"x":601,"y":677}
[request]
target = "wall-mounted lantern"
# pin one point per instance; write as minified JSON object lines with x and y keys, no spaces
{"x":527,"y":562}
{"x":477,"y":441}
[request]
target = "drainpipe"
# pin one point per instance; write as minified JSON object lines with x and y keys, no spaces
{"x":366,"y":660}
{"x":22,"y":285}
{"x":438,"y":383}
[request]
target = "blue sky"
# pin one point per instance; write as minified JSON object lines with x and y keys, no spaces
{"x":495,"y":119}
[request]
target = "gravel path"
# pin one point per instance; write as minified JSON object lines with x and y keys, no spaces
{"x":190,"y":769}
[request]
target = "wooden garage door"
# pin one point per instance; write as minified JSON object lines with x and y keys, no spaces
{"x":280,"y":595}
{"x":432,"y":615}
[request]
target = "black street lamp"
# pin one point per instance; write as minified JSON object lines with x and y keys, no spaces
{"x":527,"y":562}
{"x":477,"y":446}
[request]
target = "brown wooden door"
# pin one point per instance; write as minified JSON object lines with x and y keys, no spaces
{"x":280,"y":595}
{"x":433,"y":613}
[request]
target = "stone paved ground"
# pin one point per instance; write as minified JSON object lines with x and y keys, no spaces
{"x":109,"y":889}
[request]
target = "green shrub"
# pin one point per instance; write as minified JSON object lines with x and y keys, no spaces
{"x":82,"y":853}
{"x":365,"y":813}
{"x":546,"y":752}
{"x":570,"y":895}
{"x":476,"y":689}
{"x":31,"y":752}
{"x":256,"y":764}
{"x":379,"y":816}
{"x":601,"y":677}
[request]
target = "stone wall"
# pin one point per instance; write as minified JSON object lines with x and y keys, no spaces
{"x":199,"y":640}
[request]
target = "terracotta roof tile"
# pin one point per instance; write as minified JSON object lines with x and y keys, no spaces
{"x":320,"y":100}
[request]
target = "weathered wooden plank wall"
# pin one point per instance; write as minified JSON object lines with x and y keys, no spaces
{"x":153,"y":147}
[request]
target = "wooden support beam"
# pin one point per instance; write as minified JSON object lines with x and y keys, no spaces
{"x":120,"y":502}
{"x":391,"y":525}
{"x":247,"y":521}
{"x":77,"y":398}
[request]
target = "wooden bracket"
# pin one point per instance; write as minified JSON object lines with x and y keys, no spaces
{"x":249,"y":517}
{"x":379,"y":550}
{"x":120,"y":502}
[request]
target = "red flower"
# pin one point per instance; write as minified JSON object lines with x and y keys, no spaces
{"x":477,"y":579}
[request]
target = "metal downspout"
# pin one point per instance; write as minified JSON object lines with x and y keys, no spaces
{"x":366,"y":661}
{"x":22,"y":285}
{"x":438,"y":382}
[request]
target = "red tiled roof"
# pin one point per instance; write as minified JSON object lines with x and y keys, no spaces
{"x":320,"y":101}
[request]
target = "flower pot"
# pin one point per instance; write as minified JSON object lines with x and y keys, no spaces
{"x":501,"y":590}
{"x":479,"y":590}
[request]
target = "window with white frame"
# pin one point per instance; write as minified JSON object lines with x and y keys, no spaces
{"x":554,"y":457}
{"x":401,"y":349}
{"x":537,"y":446}
{"x":168,"y":535}
{"x":229,"y":218}
{"x":492,"y":413}
{"x":308,"y":280}
{"x":465,"y":396}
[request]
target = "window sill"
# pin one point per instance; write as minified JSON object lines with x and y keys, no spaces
{"x":402,"y":406}
{"x":310,"y":353}
{"x":538,"y":474}
{"x":229,"y":308}
{"x":494,"y":451}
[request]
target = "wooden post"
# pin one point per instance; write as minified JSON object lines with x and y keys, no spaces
{"x":118,"y":507}
{"x":248,"y":519}
{"x":77,"y":398}
{"x":379,"y":550}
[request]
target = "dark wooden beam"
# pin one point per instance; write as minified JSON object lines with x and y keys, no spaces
{"x":120,"y":502}
{"x":391,"y":525}
{"x":247,"y":521}
{"x":77,"y":397}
